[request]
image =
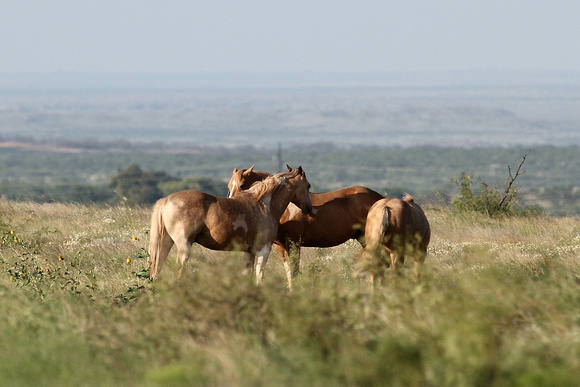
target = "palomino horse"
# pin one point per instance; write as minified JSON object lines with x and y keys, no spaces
{"x":397,"y":227}
{"x":336,"y":217}
{"x":249,"y":222}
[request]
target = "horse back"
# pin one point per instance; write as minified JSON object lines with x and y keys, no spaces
{"x":352,"y":203}
{"x":336,"y":217}
{"x":363,"y":194}
{"x":391,"y":217}
{"x":215,"y":222}
{"x":421,"y":226}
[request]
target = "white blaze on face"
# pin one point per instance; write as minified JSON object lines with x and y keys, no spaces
{"x":232,"y":189}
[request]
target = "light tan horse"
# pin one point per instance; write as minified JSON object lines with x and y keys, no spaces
{"x":397,"y":227}
{"x":336,"y":217}
{"x":249,"y":222}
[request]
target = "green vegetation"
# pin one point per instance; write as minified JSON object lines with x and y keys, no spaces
{"x":550,"y":182}
{"x":497,"y":306}
{"x":489,"y":200}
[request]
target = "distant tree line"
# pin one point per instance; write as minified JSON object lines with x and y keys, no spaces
{"x":130,"y":186}
{"x":552,"y":178}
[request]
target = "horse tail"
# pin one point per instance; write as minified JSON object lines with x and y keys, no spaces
{"x":385,"y":223}
{"x":376,"y":224}
{"x":156,"y":235}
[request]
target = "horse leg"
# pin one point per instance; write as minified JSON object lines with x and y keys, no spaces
{"x":418,"y":265}
{"x":397,"y":261}
{"x":294,"y":248}
{"x":288,"y":273}
{"x":261,"y":262}
{"x":249,"y":261}
{"x":183,"y":251}
{"x":283,"y":254}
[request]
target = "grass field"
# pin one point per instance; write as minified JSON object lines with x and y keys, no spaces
{"x":498,"y":305}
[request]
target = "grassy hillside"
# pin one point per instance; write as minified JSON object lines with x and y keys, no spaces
{"x":498,"y":305}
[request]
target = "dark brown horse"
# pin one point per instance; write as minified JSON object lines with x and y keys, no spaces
{"x":397,"y":227}
{"x":336,"y":216}
{"x":248,"y":222}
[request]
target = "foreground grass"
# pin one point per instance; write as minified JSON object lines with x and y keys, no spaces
{"x":498,"y":305}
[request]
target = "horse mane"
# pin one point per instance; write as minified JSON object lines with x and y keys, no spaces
{"x":408,"y":198}
{"x":262,"y":174}
{"x":270,"y":184}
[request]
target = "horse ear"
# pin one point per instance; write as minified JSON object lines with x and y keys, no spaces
{"x":300,"y":170}
{"x":235,"y":170}
{"x":289,"y":168}
{"x":249,"y":170}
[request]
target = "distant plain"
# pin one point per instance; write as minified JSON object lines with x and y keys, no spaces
{"x":404,"y":110}
{"x":422,"y":130}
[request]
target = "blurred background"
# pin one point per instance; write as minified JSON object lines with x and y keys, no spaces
{"x":128,"y":101}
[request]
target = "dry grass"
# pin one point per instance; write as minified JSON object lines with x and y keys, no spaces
{"x":497,"y":305}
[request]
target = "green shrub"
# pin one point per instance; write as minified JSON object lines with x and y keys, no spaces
{"x":490,"y":200}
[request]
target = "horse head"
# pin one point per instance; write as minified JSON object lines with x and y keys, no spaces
{"x":242,"y":179}
{"x":300,"y":188}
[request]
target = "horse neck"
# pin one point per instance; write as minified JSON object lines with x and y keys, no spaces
{"x":259,"y":175}
{"x":279,"y":200}
{"x":255,"y":177}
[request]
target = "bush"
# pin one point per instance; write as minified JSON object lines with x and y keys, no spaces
{"x":135,"y":187}
{"x":490,"y":200}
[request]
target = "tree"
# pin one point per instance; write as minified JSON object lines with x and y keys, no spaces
{"x":134,"y":186}
{"x":490,"y":200}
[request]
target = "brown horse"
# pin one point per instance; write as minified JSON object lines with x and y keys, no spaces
{"x":242,"y":179}
{"x":336,"y":217}
{"x":249,"y":222}
{"x":397,"y":227}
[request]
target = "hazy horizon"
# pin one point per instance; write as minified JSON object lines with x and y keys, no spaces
{"x":463,"y":115}
{"x":371,"y":72}
{"x":182,"y":36}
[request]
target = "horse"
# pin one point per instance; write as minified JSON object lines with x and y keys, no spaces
{"x":242,"y":179}
{"x":336,"y":216}
{"x":248,"y":222}
{"x":397,"y":227}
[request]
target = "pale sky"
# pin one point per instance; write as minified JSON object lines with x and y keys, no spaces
{"x":188,"y":36}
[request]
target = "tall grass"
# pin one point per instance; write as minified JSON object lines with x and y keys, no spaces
{"x":498,"y":305}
